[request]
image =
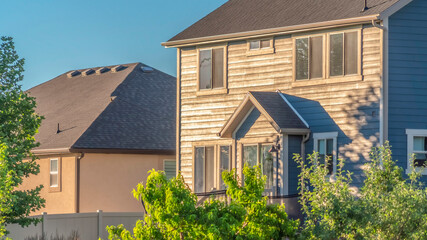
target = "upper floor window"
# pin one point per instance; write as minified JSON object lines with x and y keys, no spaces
{"x":343,"y":54}
{"x":211,"y":68}
{"x":208,"y":167}
{"x":309,"y":58}
{"x":417,"y":147}
{"x":260,"y":44}
{"x":326,"y":145}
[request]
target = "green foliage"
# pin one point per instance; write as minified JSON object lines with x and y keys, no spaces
{"x":173,"y":211}
{"x":18,"y":125}
{"x":387,"y":207}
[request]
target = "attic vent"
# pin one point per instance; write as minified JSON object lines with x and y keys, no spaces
{"x":147,"y":69}
{"x":88,"y":72}
{"x":117,"y":68}
{"x":102,"y":70}
{"x":73,"y":73}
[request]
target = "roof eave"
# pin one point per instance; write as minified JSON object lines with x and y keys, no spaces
{"x":271,"y":31}
{"x":51,"y":151}
{"x":124,"y":151}
{"x":393,"y":9}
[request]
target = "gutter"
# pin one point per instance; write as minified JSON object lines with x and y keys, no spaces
{"x":270,"y":32}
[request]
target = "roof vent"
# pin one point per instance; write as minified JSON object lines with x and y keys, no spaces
{"x":117,"y":68}
{"x":73,"y":73}
{"x":147,"y":69}
{"x":88,"y":72}
{"x":102,"y":70}
{"x":365,"y":6}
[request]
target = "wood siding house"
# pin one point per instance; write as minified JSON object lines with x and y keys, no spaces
{"x":104,"y":129}
{"x":258,"y":81}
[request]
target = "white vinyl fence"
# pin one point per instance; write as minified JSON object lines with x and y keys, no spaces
{"x":89,"y":226}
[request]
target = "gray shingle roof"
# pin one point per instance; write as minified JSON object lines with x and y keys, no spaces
{"x":141,"y":115}
{"x":276,"y":107}
{"x":237,"y":16}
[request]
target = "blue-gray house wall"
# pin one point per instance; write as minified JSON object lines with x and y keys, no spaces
{"x":407,"y":75}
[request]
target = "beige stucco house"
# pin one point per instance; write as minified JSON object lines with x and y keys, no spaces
{"x":104,"y":129}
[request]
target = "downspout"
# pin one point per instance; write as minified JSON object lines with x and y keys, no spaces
{"x":78,"y":182}
{"x":305,"y":138}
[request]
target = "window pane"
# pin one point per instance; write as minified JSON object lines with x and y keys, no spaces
{"x":218,"y":68}
{"x":54,"y":180}
{"x":316,"y":57}
{"x":336,"y":55}
{"x":301,"y":58}
{"x":267,"y":165}
{"x":199,"y":167}
{"x":205,"y":68}
{"x":210,"y":169}
{"x":224,"y":163}
{"x":321,"y":146}
{"x":351,"y":53}
{"x":265,"y":44}
{"x":53,"y":165}
{"x":419,"y":144}
{"x":170,"y":169}
{"x":250,"y":155}
{"x":254,"y":44}
{"x":330,"y":155}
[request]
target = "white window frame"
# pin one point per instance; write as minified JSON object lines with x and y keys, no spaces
{"x":54,"y":172}
{"x":411,"y":134}
{"x":327,"y":135}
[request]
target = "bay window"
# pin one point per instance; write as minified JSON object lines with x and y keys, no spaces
{"x":260,"y":155}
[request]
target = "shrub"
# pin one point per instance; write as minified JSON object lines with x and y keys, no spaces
{"x":173,"y":213}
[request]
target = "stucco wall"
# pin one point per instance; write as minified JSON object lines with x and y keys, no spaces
{"x":63,"y":200}
{"x":107,"y":180}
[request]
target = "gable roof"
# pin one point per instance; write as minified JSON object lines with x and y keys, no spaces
{"x":128,"y":110}
{"x":249,"y":16}
{"x":274,"y":106}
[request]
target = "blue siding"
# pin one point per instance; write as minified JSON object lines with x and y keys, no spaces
{"x":294,"y":171}
{"x":407,"y":75}
{"x":247,"y":124}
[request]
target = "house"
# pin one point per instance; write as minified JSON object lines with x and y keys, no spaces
{"x":104,"y":129}
{"x":259,"y":81}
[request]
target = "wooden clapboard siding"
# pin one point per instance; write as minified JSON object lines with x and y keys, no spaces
{"x":352,"y":103}
{"x":407,"y":76}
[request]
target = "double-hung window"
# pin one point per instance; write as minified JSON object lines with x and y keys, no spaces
{"x":325,"y":144}
{"x":417,"y":147}
{"x":208,"y":167}
{"x":309,"y":57}
{"x":54,"y":176}
{"x":211,"y":68}
{"x":343,"y":54}
{"x":260,"y":155}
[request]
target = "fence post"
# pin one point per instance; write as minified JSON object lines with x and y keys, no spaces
{"x":99,"y":223}
{"x":44,"y":217}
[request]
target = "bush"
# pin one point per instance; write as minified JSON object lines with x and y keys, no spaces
{"x":173,"y":213}
{"x":389,"y":206}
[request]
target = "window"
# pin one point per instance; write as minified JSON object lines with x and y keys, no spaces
{"x":208,"y":168}
{"x":169,"y":166}
{"x":417,"y":146}
{"x":326,"y":145}
{"x":260,"y":155}
{"x":54,"y":177}
{"x":211,"y":68}
{"x":309,"y":58}
{"x":260,"y":44}
{"x":343,"y":54}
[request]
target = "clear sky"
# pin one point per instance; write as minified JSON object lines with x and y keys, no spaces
{"x":55,"y":36}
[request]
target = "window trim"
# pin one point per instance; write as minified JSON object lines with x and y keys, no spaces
{"x":260,"y":50}
{"x":325,"y":136}
{"x":217,"y":148}
{"x":294,"y":57}
{"x":224,"y":89}
{"x":56,"y":188}
{"x":411,"y":134}
{"x":327,"y":79}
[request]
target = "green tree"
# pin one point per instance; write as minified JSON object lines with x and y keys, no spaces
{"x":173,"y":212}
{"x":388,"y":206}
{"x":18,"y":125}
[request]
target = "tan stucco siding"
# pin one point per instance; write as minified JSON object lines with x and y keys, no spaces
{"x":58,"y":200}
{"x":107,"y":180}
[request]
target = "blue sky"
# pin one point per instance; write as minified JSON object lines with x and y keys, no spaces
{"x":55,"y":36}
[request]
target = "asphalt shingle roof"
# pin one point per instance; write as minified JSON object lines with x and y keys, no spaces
{"x":130,"y":110}
{"x":236,"y":16}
